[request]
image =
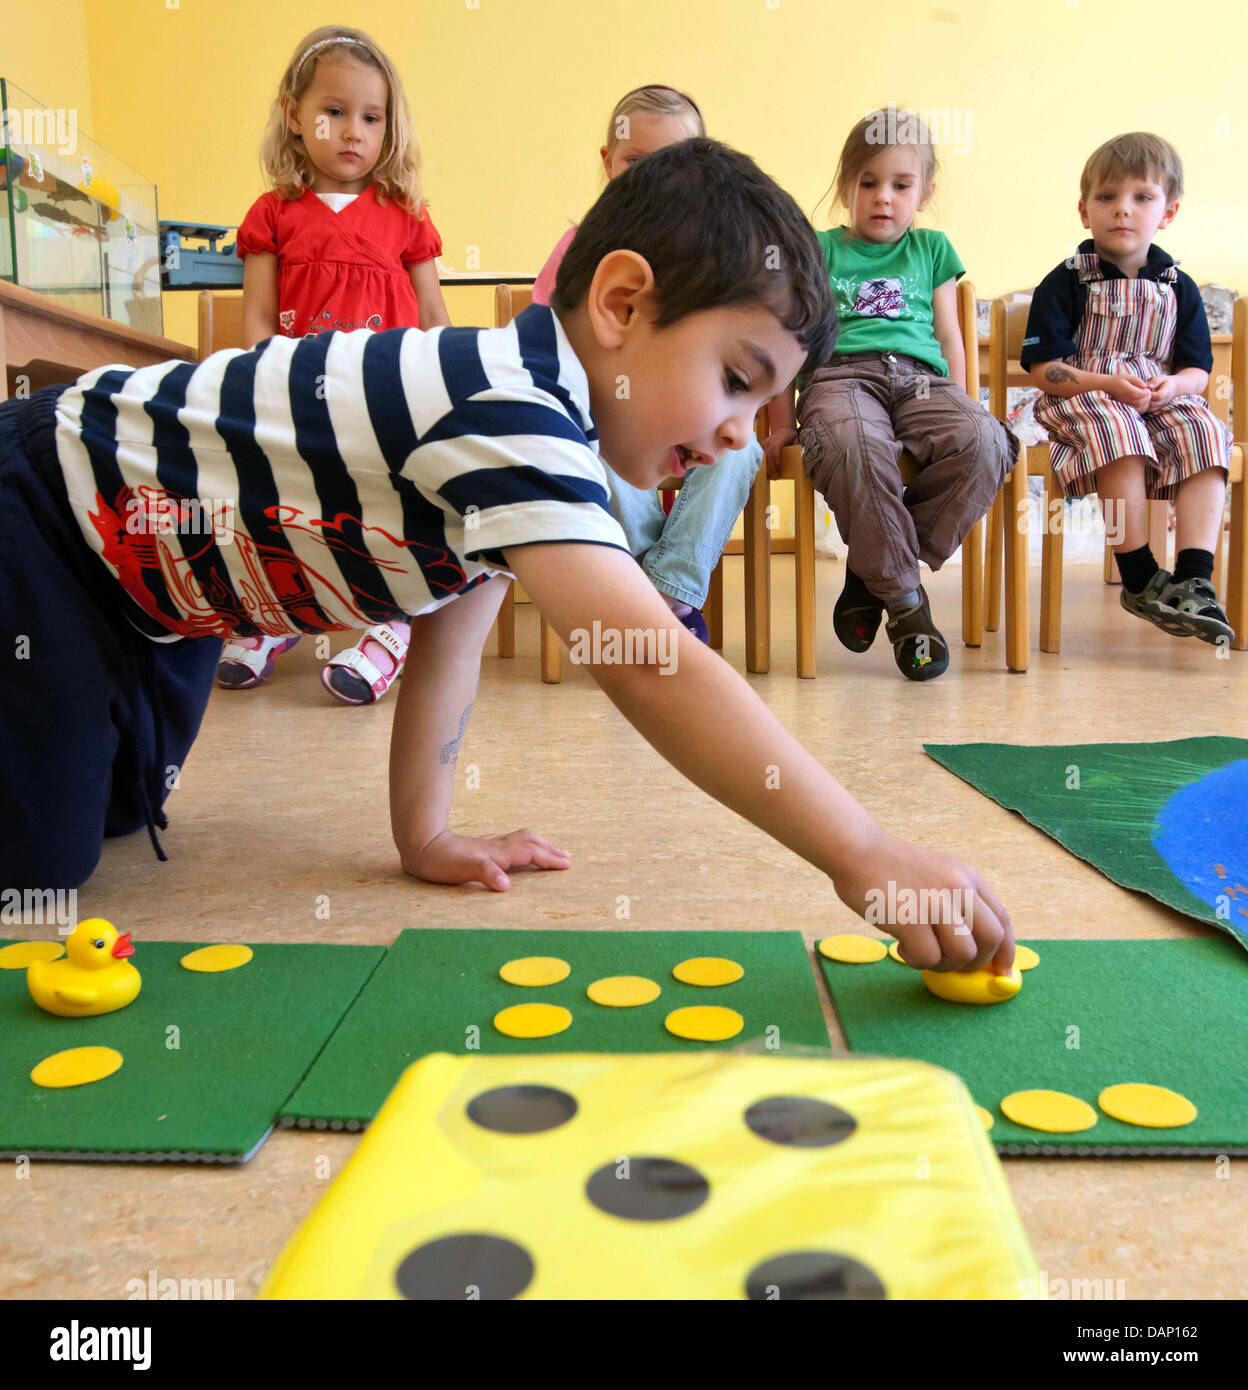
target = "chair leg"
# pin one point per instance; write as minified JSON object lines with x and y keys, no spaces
{"x":1017,"y":609}
{"x":507,"y":622}
{"x":758,"y":576}
{"x":973,"y":585}
{"x":1111,"y":570}
{"x":804,"y":561}
{"x":1159,"y":533}
{"x":1052,"y":547}
{"x":1237,"y":565}
{"x":992,"y":566}
{"x":551,"y":673}
{"x":713,"y":608}
{"x":1219,"y":550}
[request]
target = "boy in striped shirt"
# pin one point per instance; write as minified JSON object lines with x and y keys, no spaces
{"x":371,"y":475}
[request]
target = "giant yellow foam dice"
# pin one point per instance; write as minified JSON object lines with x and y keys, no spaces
{"x":666,"y":1177}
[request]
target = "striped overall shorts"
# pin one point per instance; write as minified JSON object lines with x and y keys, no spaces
{"x":1128,"y":326}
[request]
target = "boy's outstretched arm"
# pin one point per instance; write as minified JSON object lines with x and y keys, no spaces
{"x":707,"y":722}
{"x":435,"y":699}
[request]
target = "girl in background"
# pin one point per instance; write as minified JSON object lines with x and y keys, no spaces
{"x":342,"y":241}
{"x":678,"y":552}
{"x":897,"y":381}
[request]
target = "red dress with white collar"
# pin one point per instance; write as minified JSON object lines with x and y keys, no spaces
{"x":340,"y":270}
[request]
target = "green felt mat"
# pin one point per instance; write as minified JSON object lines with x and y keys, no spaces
{"x":1169,"y":819}
{"x":1169,"y":1013}
{"x":244,"y":1039}
{"x":438,"y":991}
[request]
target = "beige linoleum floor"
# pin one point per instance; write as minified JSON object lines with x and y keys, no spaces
{"x":284,"y":800}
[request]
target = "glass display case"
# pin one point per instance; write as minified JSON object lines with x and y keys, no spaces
{"x":79,"y":225}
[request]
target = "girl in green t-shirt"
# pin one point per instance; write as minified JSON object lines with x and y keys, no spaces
{"x":897,"y":381}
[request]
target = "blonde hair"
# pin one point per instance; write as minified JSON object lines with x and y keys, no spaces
{"x":282,"y":154}
{"x":1138,"y":155}
{"x":655,"y":100}
{"x":886,"y":126}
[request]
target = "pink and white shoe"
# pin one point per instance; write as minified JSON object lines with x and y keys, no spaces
{"x":362,"y":674}
{"x":248,"y":661}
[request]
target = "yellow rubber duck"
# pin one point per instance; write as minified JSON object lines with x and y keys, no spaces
{"x":94,"y":978}
{"x":974,"y":986}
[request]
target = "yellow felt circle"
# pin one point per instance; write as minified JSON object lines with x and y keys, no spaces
{"x":704,"y":1023}
{"x":1053,"y":1111}
{"x":536,"y":970}
{"x":532,"y":1020}
{"x":1141,"y":1104}
{"x":623,"y":991}
{"x":210,"y":959}
{"x":708,"y":970}
{"x":76,"y":1067}
{"x":985,"y":1118}
{"x":21,"y":953}
{"x":1025,"y":958}
{"x":894,"y":950}
{"x":852,"y":949}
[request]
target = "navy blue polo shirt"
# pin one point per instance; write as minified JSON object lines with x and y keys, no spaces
{"x":1058,"y":305}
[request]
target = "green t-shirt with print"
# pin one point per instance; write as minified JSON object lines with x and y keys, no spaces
{"x":884,"y":292}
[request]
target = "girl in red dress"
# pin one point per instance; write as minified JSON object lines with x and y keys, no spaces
{"x":342,"y":241}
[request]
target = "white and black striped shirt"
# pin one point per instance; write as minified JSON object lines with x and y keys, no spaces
{"x":332,"y":482}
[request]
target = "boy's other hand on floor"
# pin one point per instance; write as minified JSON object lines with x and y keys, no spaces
{"x":451,"y":858}
{"x":966,"y":925}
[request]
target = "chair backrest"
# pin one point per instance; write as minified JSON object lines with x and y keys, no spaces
{"x":968,"y":325}
{"x":1008,"y":328}
{"x":509,"y":300}
{"x":220,"y":321}
{"x":1239,"y":372}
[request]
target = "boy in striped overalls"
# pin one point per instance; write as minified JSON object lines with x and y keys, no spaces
{"x":1117,"y":338}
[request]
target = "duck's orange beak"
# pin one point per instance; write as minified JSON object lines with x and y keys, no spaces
{"x":122,"y":947}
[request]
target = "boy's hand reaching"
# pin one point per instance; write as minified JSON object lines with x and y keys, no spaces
{"x":451,"y":858}
{"x":967,"y":927}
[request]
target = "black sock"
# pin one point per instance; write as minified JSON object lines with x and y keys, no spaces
{"x":856,"y":592}
{"x":1193,"y":564}
{"x":1136,"y":568}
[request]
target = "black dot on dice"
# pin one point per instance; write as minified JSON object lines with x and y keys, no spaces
{"x":647,"y":1189}
{"x":812,"y":1274}
{"x":800,"y":1122}
{"x":463,"y":1267}
{"x":521,"y":1109}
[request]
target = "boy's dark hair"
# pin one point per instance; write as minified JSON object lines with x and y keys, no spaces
{"x":716,"y":231}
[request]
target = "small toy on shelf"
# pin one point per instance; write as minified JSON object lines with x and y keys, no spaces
{"x":94,"y":978}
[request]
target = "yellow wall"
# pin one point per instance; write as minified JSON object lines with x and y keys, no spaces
{"x":43,"y":50}
{"x":511,"y":98}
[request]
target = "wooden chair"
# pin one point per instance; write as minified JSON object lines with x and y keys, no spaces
{"x":509,"y":302}
{"x":1009,"y":322}
{"x":220,"y":321}
{"x":758,"y":540}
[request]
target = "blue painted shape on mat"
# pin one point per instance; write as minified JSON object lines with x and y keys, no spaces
{"x":1203,"y":828}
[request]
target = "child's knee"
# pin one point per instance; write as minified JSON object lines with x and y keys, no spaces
{"x":46,"y":866}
